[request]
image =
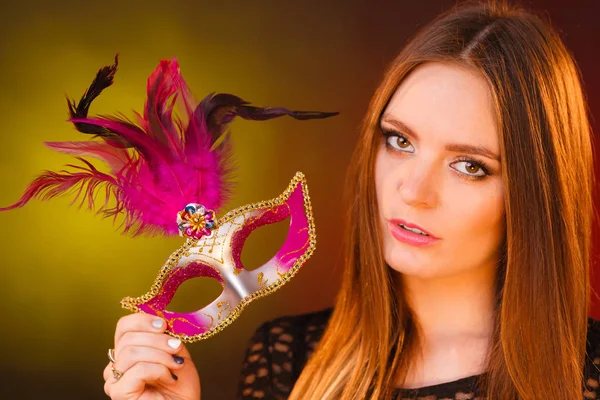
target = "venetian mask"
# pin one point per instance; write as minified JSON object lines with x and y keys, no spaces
{"x":213,"y":249}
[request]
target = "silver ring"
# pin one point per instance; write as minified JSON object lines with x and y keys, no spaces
{"x":111,"y":355}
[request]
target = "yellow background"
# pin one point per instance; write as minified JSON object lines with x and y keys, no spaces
{"x":65,"y":270}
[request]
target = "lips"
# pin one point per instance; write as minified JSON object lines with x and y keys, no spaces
{"x":399,"y":222}
{"x":409,"y":237}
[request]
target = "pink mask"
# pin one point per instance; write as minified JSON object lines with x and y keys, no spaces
{"x":213,"y":249}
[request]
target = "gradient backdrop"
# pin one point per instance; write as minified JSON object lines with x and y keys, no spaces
{"x":64,"y":270}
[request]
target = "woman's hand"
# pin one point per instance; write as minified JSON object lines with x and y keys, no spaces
{"x":154,"y":365}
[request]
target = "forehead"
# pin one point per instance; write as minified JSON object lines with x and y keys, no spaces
{"x":446,"y":102}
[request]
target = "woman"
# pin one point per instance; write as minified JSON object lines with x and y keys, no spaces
{"x":467,"y":247}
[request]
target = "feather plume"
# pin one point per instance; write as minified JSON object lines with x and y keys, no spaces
{"x":160,"y":163}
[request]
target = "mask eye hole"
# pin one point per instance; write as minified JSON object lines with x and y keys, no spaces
{"x":263,"y":243}
{"x":195,"y":294}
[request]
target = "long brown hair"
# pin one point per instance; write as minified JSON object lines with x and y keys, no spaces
{"x":539,"y":340}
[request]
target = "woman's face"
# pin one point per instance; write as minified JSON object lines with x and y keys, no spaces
{"x":438,"y":167}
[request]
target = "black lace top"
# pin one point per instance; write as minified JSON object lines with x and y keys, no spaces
{"x":280,"y":348}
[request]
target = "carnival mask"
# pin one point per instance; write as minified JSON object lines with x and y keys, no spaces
{"x":213,"y":249}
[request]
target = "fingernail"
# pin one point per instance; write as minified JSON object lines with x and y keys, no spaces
{"x":158,"y":323}
{"x":174,"y":343}
{"x":174,"y":376}
{"x":178,"y":360}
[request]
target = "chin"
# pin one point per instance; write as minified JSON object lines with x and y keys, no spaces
{"x":417,"y":271}
{"x":415,"y":265}
{"x":401,"y":257}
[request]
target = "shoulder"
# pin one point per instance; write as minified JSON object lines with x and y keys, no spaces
{"x":592,"y":359}
{"x":299,"y":333}
{"x":298,"y":324}
{"x":593,"y":339}
{"x":277,"y":353}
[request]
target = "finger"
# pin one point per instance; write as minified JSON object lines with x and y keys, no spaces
{"x":139,"y":322}
{"x":132,"y":355}
{"x":107,"y":374}
{"x":135,"y":380}
{"x":107,"y":388}
{"x":158,"y":341}
{"x":109,"y":379}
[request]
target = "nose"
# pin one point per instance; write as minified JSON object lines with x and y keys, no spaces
{"x":419,"y":183}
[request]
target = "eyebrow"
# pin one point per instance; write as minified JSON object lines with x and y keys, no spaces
{"x":454,"y":147}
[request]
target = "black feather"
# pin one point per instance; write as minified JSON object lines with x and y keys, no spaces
{"x":104,"y":78}
{"x":222,"y":108}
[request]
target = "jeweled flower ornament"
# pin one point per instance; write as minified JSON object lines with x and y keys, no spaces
{"x":167,"y":173}
{"x":195,"y":221}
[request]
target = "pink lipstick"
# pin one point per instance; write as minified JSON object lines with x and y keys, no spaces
{"x":410,"y":233}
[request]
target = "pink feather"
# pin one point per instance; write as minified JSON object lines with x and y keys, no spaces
{"x":51,"y":184}
{"x":159,"y":164}
{"x":115,"y":158}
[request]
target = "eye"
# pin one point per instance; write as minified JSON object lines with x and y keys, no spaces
{"x":471,"y":168}
{"x":397,"y":142}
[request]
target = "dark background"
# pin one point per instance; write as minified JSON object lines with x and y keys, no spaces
{"x":64,"y":270}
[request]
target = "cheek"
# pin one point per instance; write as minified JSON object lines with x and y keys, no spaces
{"x":477,"y":216}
